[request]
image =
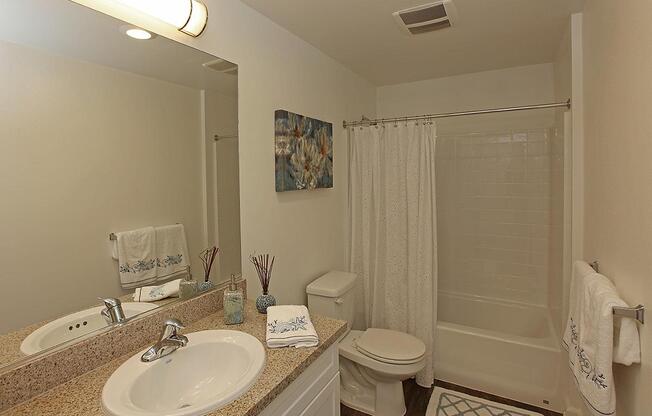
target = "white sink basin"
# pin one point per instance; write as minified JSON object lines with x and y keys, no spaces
{"x":211,"y":371}
{"x":75,"y":325}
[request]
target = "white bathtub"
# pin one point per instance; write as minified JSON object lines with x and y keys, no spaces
{"x":507,"y":349}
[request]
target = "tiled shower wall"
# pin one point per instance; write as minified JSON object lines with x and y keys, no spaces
{"x":493,"y":202}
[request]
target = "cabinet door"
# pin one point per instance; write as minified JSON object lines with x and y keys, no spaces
{"x":302,"y":392}
{"x":327,"y":402}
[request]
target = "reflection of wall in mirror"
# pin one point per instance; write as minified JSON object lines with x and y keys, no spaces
{"x":86,"y":150}
{"x":222,"y":184}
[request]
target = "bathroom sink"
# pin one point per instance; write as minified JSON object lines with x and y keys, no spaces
{"x":212,"y":370}
{"x":75,"y":325}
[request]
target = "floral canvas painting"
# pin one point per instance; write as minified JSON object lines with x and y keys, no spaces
{"x":304,"y":152}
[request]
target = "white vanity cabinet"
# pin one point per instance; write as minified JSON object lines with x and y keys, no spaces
{"x":315,"y":393}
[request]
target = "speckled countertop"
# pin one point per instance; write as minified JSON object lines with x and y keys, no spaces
{"x":82,"y":396}
{"x":10,"y":351}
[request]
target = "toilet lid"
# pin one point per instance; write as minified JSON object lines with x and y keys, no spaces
{"x":390,"y":346}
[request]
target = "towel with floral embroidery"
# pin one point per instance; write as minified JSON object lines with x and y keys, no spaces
{"x":136,"y":257}
{"x":149,"y":255}
{"x":290,"y":326}
{"x":590,"y":341}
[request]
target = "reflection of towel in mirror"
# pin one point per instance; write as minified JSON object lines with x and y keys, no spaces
{"x":136,"y":256}
{"x":290,"y":326}
{"x":149,"y":255}
{"x":171,"y":251}
{"x":153,"y":293}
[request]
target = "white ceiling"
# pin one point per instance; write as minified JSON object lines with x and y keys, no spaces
{"x":488,"y":34}
{"x":65,"y":28}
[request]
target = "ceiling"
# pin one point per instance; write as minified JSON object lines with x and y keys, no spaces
{"x":487,"y":34}
{"x":65,"y":28}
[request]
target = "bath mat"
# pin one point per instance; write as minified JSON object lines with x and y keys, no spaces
{"x":445,"y":402}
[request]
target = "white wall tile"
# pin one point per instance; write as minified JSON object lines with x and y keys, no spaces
{"x":495,"y":210}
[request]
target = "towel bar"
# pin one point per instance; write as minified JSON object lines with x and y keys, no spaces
{"x":595,"y":266}
{"x":114,"y":237}
{"x":637,"y":312}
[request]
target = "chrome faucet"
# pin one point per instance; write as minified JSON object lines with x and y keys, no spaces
{"x":169,"y":342}
{"x":113,"y":313}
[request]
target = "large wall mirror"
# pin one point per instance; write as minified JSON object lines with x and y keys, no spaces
{"x":104,"y":133}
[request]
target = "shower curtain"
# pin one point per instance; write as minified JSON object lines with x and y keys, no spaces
{"x":393,"y":241}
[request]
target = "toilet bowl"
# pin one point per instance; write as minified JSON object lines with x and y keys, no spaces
{"x":373,"y":384}
{"x":373,"y":363}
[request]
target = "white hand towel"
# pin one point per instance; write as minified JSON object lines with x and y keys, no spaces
{"x":136,"y":257}
{"x":589,"y":338}
{"x":290,"y":326}
{"x":153,"y":293}
{"x":171,"y":251}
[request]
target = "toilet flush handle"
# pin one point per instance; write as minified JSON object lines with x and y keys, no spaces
{"x":339,"y":301}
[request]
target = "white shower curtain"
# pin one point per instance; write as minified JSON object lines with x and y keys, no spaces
{"x":393,"y":242}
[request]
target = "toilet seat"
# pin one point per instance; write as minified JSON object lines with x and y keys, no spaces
{"x":349,"y":350}
{"x":391,"y":347}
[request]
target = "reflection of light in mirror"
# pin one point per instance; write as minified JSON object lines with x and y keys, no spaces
{"x":190,"y":17}
{"x":139,"y":34}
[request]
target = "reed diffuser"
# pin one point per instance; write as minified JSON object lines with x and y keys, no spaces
{"x":207,"y":258}
{"x":263,"y":265}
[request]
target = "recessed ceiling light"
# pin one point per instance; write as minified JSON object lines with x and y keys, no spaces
{"x":137,"y":33}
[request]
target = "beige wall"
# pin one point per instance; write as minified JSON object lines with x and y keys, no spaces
{"x":84,"y":151}
{"x":493,"y":179}
{"x":501,"y":88}
{"x":277,"y":70}
{"x":618,"y":172}
{"x":223,"y":192}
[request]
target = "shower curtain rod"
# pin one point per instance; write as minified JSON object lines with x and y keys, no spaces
{"x":367,"y":122}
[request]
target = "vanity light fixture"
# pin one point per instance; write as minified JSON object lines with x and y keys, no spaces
{"x":188,"y":16}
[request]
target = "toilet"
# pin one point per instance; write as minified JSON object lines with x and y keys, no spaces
{"x":373,"y":363}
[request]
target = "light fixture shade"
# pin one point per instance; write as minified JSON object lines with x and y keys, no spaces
{"x":198,"y":19}
{"x":189,"y":16}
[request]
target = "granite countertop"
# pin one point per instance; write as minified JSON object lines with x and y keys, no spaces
{"x":82,"y":396}
{"x":11,"y":341}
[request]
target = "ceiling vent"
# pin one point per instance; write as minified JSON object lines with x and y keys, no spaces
{"x":426,"y":18}
{"x":221,"y":65}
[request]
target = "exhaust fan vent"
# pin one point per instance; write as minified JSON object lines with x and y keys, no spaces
{"x":221,"y":65}
{"x":426,"y":18}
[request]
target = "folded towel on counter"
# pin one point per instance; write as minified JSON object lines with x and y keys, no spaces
{"x":136,"y":257}
{"x":589,"y":338}
{"x":171,"y":251}
{"x":290,"y":326}
{"x":153,"y":293}
{"x":150,"y":255}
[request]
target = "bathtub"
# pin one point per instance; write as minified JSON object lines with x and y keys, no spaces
{"x":503,"y":348}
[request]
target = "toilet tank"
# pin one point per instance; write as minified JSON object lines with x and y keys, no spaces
{"x":332,"y":295}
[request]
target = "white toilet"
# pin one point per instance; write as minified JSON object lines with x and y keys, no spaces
{"x":373,"y":363}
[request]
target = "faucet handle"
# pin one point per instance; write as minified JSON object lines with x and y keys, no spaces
{"x":112,"y":312}
{"x":110,"y":302}
{"x":171,"y":328}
